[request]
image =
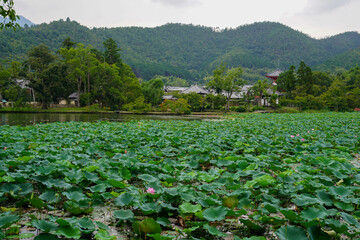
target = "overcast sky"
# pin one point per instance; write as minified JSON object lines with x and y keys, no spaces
{"x":318,"y":18}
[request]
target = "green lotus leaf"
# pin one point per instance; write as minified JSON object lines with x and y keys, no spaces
{"x":336,"y":225}
{"x":324,"y":197}
{"x":312,"y":213}
{"x":189,"y":208}
{"x":340,"y":191}
{"x":7,"y":220}
{"x":315,"y":233}
{"x":117,"y":183}
{"x":63,"y":222}
{"x":305,"y":199}
{"x":103,"y":226}
{"x":69,"y":232}
{"x":163,"y":221}
{"x":49,"y":196}
{"x":25,"y":188}
{"x":98,"y":188}
{"x":124,"y":199}
{"x":86,"y":225}
{"x":123,"y":214}
{"x":215,"y":213}
{"x":148,"y":178}
{"x":104,"y":235}
{"x":291,"y":233}
{"x":46,"y":236}
{"x":75,"y":196}
{"x":214,"y":231}
{"x":350,"y":219}
{"x":44,"y":226}
{"x":291,"y":215}
{"x":36,"y":202}
{"x":20,"y":236}
{"x":344,"y":206}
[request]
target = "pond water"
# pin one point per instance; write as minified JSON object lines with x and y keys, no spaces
{"x":34,"y":118}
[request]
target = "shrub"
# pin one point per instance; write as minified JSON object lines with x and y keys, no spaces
{"x":257,"y":108}
{"x":138,"y":106}
{"x":240,"y":109}
{"x":180,"y":106}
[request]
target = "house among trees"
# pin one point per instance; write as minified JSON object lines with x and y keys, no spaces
{"x":184,"y":90}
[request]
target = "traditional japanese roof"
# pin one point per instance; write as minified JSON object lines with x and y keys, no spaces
{"x":274,"y":75}
{"x":196,"y":89}
{"x":73,"y":95}
{"x":174,"y":89}
{"x":169,"y":97}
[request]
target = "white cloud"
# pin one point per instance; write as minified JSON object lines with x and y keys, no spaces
{"x":178,"y":3}
{"x":324,"y":6}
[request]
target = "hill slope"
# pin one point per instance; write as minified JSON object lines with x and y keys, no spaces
{"x":190,"y":51}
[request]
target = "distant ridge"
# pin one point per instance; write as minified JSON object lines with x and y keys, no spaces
{"x":22,"y":21}
{"x":192,"y":52}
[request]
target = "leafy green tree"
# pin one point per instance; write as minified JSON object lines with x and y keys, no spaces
{"x":130,"y":85}
{"x":196,"y":101}
{"x":39,"y":60}
{"x":305,"y":78}
{"x":79,"y":61}
{"x":260,"y":90}
{"x":7,"y":11}
{"x":107,"y":87}
{"x":112,"y":52}
{"x":227,"y":81}
{"x":153,"y":91}
{"x":4,"y":82}
{"x":214,"y":102}
{"x":180,"y":106}
{"x":67,"y":43}
{"x":287,"y":81}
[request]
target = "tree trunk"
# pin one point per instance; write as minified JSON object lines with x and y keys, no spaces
{"x":1,"y":103}
{"x":88,"y":103}
{"x":78,"y":93}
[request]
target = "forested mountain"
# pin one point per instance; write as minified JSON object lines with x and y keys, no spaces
{"x":22,"y":21}
{"x":192,"y":52}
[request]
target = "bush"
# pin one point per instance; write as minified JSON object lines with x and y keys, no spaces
{"x":257,"y":108}
{"x":240,"y":109}
{"x":138,"y":106}
{"x":85,"y":98}
{"x":286,"y":110}
{"x":180,"y":106}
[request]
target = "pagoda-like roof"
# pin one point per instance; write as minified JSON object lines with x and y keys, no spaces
{"x":196,"y":89}
{"x":274,"y":75}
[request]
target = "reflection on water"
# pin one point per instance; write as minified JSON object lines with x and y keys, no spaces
{"x":34,"y":118}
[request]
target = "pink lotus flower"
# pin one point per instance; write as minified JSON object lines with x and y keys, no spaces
{"x":292,"y":136}
{"x":83,"y":128}
{"x":125,"y":151}
{"x":297,"y":135}
{"x":5,"y":148}
{"x":313,"y":129}
{"x":302,"y":139}
{"x":150,"y":190}
{"x":308,"y":131}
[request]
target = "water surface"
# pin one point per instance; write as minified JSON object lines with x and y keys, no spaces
{"x":34,"y":118}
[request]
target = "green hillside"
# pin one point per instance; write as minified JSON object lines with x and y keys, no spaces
{"x":192,"y":52}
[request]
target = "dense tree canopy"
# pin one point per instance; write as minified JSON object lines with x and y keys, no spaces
{"x":227,"y":81}
{"x":192,"y":52}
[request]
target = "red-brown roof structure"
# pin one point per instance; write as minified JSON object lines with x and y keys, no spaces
{"x":274,"y":75}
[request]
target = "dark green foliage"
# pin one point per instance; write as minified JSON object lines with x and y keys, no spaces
{"x":111,"y":53}
{"x":153,"y":91}
{"x":191,"y":52}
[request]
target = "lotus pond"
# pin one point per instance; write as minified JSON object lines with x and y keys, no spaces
{"x":268,"y":176}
